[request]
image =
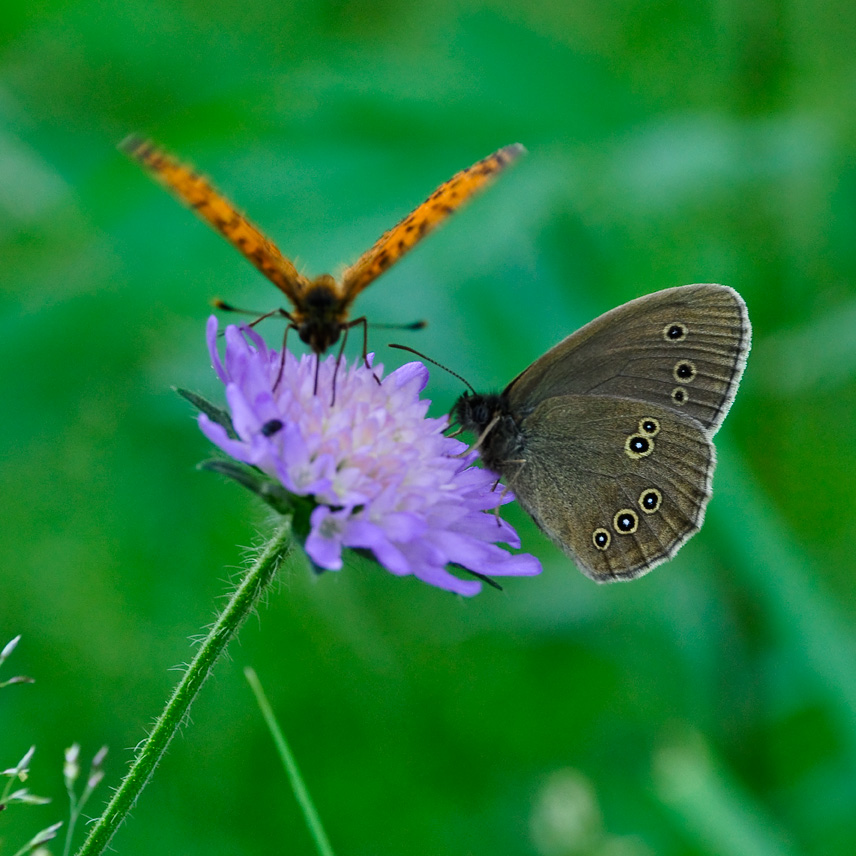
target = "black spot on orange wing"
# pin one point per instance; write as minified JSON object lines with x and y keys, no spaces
{"x":218,"y":212}
{"x":445,"y":200}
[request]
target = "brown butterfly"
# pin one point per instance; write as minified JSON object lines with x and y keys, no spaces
{"x":320,"y":306}
{"x":607,"y":439}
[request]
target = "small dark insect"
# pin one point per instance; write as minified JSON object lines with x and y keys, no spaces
{"x":271,"y":427}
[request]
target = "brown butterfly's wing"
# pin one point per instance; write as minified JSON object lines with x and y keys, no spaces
{"x":618,"y":484}
{"x":683,"y":348}
{"x":199,"y":195}
{"x":445,"y":200}
{"x":614,"y":426}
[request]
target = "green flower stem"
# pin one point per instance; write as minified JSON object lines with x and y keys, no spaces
{"x":240,"y":605}
{"x":301,"y":792}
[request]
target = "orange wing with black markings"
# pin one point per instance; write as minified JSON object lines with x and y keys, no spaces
{"x":445,"y":200}
{"x":216,"y":210}
{"x":320,"y":305}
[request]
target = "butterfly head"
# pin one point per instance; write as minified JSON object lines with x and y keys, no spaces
{"x":321,"y":314}
{"x":489,"y":417}
{"x":473,"y":412}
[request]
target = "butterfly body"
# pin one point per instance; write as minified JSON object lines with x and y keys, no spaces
{"x":320,"y":307}
{"x":320,"y":313}
{"x":490,"y":418}
{"x":606,"y":440}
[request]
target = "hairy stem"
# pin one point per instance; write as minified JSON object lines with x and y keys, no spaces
{"x":243,"y":600}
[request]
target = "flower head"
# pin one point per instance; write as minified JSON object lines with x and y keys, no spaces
{"x":382,"y":475}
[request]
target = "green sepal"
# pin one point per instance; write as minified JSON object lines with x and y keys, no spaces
{"x":214,"y":413}
{"x":275,"y":495}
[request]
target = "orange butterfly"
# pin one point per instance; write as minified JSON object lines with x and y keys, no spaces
{"x":320,"y":305}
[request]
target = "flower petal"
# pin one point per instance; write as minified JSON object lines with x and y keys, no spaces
{"x":384,"y":476}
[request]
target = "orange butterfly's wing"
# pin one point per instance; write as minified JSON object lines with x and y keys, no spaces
{"x":445,"y":200}
{"x":199,"y":195}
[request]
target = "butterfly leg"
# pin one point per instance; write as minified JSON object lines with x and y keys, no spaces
{"x":289,"y":326}
{"x":365,"y":339}
{"x":318,"y":369}
{"x":481,"y":438}
{"x":365,"y":325}
{"x":336,"y":369}
{"x":505,"y":488}
{"x":483,"y":577}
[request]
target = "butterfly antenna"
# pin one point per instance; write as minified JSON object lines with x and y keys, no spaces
{"x":439,"y":366}
{"x":227,"y":307}
{"x":260,"y":316}
{"x":413,"y":325}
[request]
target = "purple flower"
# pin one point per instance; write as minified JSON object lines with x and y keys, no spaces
{"x":383,"y":476}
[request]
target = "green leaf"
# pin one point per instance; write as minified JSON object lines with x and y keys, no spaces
{"x":275,"y":495}
{"x":214,"y":413}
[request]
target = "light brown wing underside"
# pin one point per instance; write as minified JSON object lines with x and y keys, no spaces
{"x":445,"y":200}
{"x":216,"y":210}
{"x":627,"y":353}
{"x":578,"y":476}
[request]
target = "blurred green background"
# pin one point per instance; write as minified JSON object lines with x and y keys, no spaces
{"x":705,"y":709}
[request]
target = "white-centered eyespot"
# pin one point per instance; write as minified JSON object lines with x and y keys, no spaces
{"x":684,"y":371}
{"x":650,"y":500}
{"x":649,"y":426}
{"x":675,"y":332}
{"x":638,"y":446}
{"x":601,"y":538}
{"x":626,"y":521}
